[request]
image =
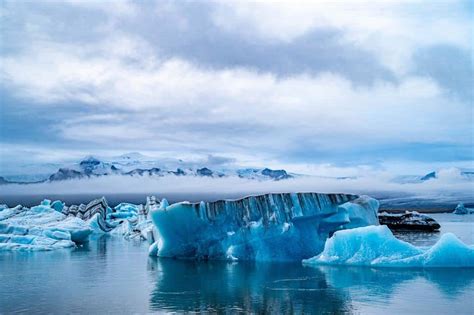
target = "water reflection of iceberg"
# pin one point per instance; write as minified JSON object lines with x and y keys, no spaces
{"x":383,"y":281}
{"x":279,"y":288}
{"x":250,"y":287}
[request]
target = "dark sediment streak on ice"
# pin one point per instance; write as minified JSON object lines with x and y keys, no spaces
{"x":277,"y":226}
{"x":280,"y":207}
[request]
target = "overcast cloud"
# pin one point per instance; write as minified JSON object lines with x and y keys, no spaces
{"x":313,"y":85}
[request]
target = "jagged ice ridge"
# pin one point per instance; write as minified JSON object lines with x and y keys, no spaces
{"x":271,"y":227}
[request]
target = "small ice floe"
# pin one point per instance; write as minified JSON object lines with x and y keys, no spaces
{"x":461,"y":209}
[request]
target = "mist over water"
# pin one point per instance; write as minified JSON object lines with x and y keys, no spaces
{"x":442,"y":193}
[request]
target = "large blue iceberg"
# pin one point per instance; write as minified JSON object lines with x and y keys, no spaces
{"x":376,"y":246}
{"x":271,"y":227}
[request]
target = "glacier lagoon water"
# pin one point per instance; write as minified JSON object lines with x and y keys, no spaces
{"x":113,"y":275}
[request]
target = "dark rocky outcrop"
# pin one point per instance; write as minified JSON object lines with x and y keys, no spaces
{"x":276,"y":174}
{"x":66,"y":173}
{"x":178,"y":172}
{"x":428,"y":176}
{"x":89,"y":165}
{"x":149,"y":172}
{"x":412,"y":221}
{"x":204,"y":172}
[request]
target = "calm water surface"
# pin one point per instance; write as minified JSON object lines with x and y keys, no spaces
{"x":461,"y":225}
{"x":111,"y":275}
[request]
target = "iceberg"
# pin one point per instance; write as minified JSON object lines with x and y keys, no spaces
{"x":138,"y":224}
{"x":271,"y":227}
{"x":375,"y":246}
{"x":100,"y":217}
{"x":126,"y":219}
{"x":98,"y":214}
{"x":40,"y":228}
{"x":53,"y":225}
{"x":461,"y":209}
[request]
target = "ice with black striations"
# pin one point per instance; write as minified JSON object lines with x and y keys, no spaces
{"x":53,"y":225}
{"x":271,"y":227}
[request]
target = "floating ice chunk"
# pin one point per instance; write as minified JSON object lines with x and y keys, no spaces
{"x":40,"y":228}
{"x":269,"y":227}
{"x":376,"y":246}
{"x":461,"y":209}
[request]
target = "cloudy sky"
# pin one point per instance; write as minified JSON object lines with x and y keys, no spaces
{"x":312,"y":86}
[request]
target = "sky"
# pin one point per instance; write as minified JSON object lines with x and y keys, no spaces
{"x":323,"y":87}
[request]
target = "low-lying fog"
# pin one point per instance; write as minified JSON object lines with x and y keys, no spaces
{"x":449,"y":187}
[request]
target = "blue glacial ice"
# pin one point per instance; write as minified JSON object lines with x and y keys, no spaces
{"x":135,"y":222}
{"x":376,"y":246}
{"x":53,"y":225}
{"x":39,"y":228}
{"x":271,"y":227}
{"x":126,"y":219}
{"x":462,"y":209}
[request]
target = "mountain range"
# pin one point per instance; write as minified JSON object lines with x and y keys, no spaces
{"x":135,"y":164}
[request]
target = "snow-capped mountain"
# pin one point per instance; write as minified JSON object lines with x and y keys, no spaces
{"x":416,"y":179}
{"x":253,"y":173}
{"x":136,"y":164}
{"x":413,"y":179}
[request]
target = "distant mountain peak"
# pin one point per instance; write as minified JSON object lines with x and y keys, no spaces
{"x":90,"y":160}
{"x":204,"y":172}
{"x":275,"y":174}
{"x":65,"y":173}
{"x":429,"y":176}
{"x":136,"y":164}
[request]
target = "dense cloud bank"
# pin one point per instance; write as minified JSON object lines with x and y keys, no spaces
{"x":449,"y":186}
{"x":321,"y":82}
